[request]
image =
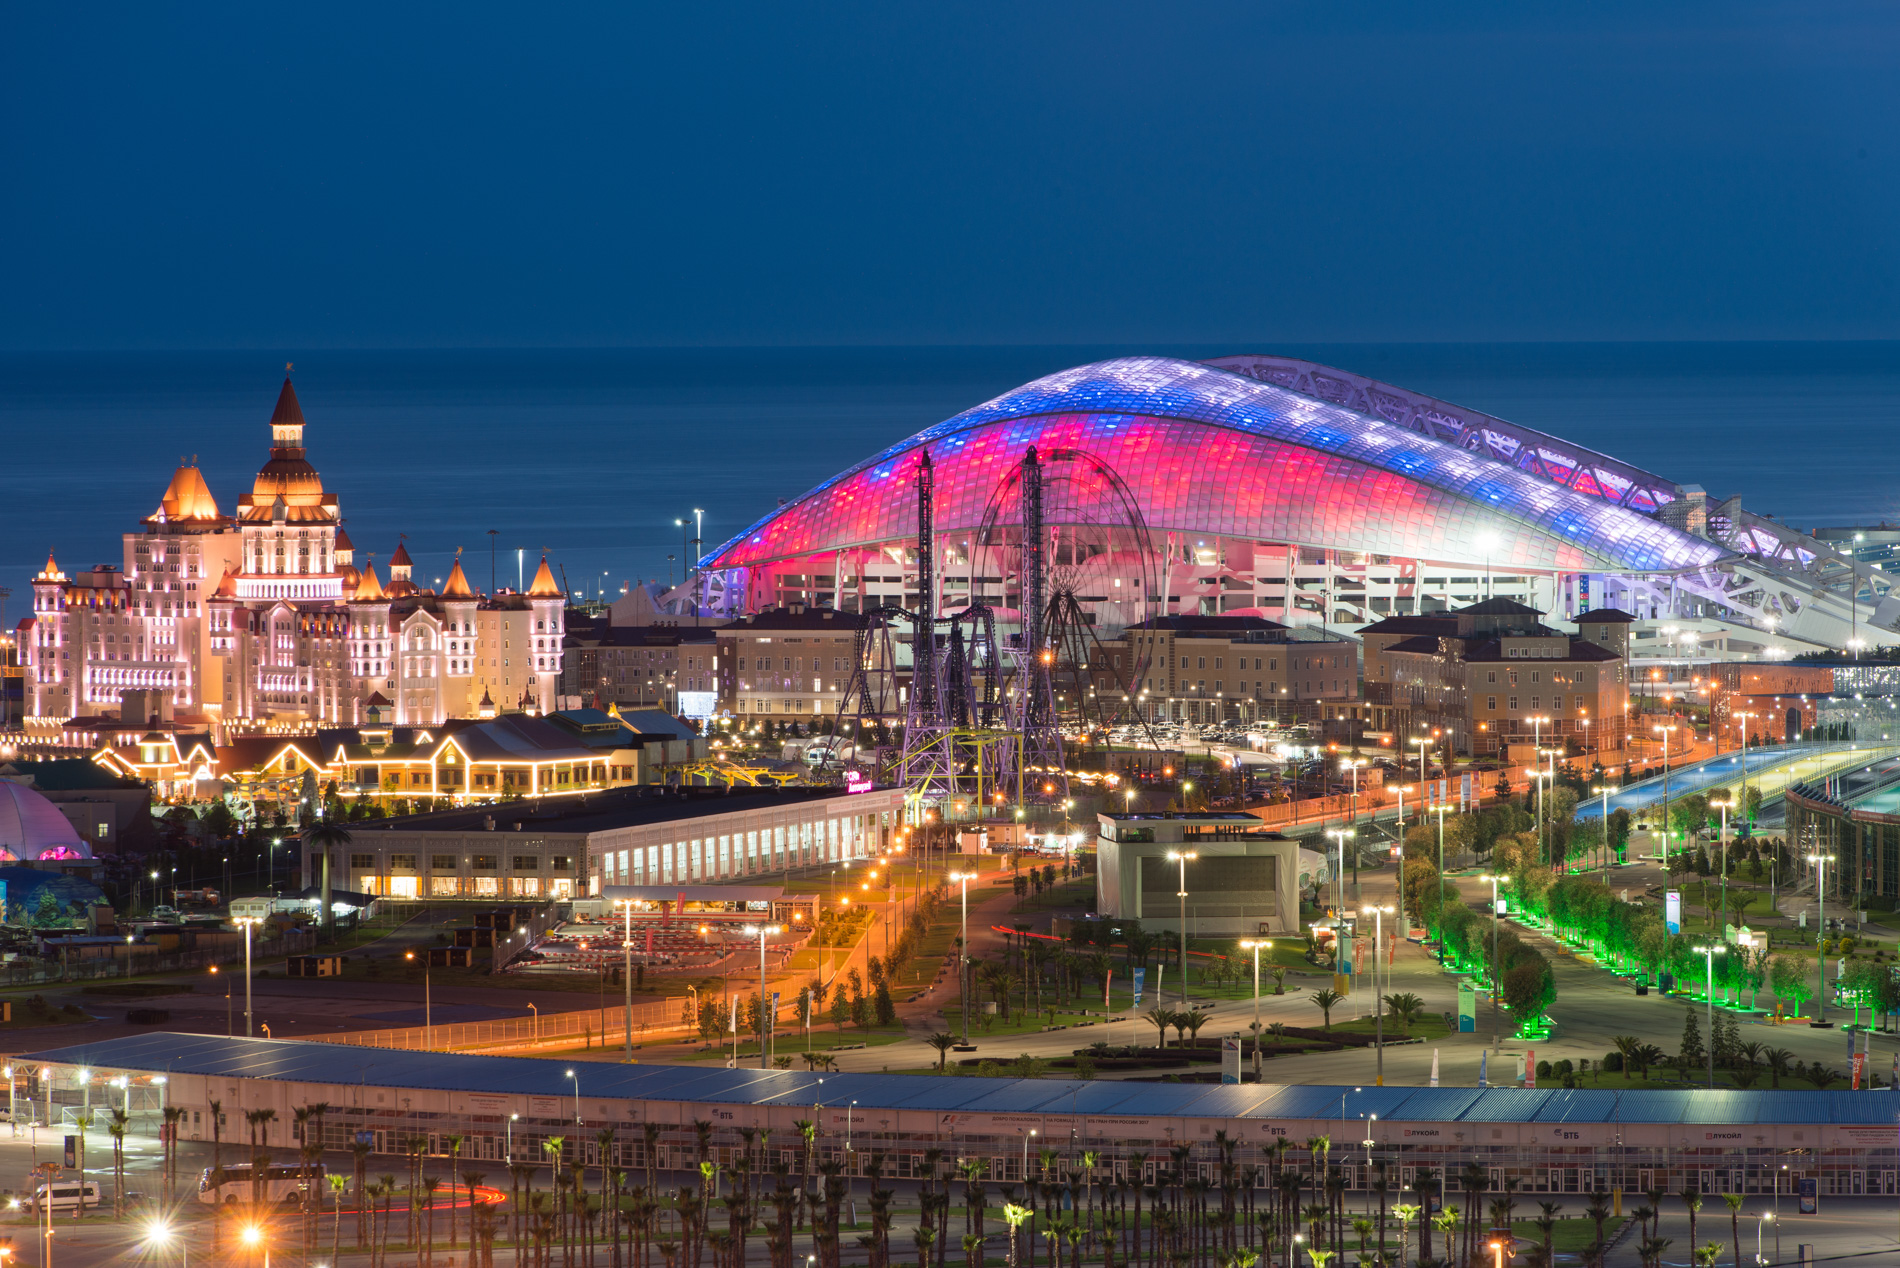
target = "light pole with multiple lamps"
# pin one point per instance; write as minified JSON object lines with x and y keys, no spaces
{"x":1378,"y":915}
{"x":1664,"y":731}
{"x":1340,"y":837}
{"x":1708,"y":954}
{"x":765,"y":1007}
{"x":1256,"y":946}
{"x":1183,"y":857}
{"x":1497,"y":978}
{"x":248,"y":923}
{"x":1820,"y":862}
{"x":1441,"y":808}
{"x":626,"y":972}
{"x":1604,"y":791}
{"x":963,"y":879}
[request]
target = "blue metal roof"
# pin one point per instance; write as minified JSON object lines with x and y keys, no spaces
{"x":307,"y":1062}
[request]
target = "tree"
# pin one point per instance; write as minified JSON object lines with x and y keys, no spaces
{"x":1325,"y":1001}
{"x":1407,"y":1007}
{"x":942,"y":1043}
{"x":1160,"y":1018}
{"x":1693,"y":1054}
{"x":1789,"y":975}
{"x":1529,"y":990}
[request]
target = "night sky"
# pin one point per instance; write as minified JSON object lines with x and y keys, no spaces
{"x":396,"y":175}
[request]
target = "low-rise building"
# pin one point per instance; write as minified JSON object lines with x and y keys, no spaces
{"x":1239,"y":878}
{"x":786,"y":664}
{"x":568,"y":847}
{"x":667,"y":666}
{"x":1219,"y":668}
{"x":1492,"y":675}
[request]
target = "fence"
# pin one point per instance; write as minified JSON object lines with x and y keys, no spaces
{"x":601,"y":1023}
{"x":140,"y":960}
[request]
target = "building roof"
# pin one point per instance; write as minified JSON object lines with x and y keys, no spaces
{"x":543,"y":586}
{"x":457,"y":587}
{"x":188,"y":497}
{"x":289,"y":413}
{"x":1439,"y":623}
{"x":1208,"y":626}
{"x":1605,"y":616}
{"x":1497,"y":607}
{"x":796,"y":616}
{"x":1206,"y":450}
{"x":606,"y":811}
{"x":604,"y":635}
{"x":368,"y":588}
{"x":401,"y":558}
{"x":67,"y":774}
{"x":1485,"y":647}
{"x":287,"y":1060}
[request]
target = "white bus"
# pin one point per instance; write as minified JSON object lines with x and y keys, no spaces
{"x":282,"y":1183}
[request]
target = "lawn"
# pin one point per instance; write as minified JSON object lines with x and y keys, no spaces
{"x":1018,"y":1023}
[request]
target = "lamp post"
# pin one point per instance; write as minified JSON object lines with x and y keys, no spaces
{"x":1820,"y":862}
{"x":1352,"y":766}
{"x":253,"y":1236}
{"x":963,"y":956}
{"x":1403,"y":789}
{"x":1766,"y":1217}
{"x":1497,"y":979}
{"x":1723,"y":805}
{"x":1378,"y":1008}
{"x":428,"y":1014}
{"x":1255,"y":946}
{"x":1441,"y":809}
{"x":1604,"y":791}
{"x":1741,"y":805}
{"x":1543,"y":851}
{"x":626,"y":972}
{"x":765,"y":1013}
{"x":247,"y":922}
{"x":1339,"y":836}
{"x":1708,"y":955}
{"x":577,"y":1098}
{"x":1664,"y":732}
{"x":1182,"y":857}
{"x":1422,"y":743}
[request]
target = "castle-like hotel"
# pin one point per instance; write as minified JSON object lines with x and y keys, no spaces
{"x":263,"y":621}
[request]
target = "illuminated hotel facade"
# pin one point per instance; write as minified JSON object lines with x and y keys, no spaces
{"x":263,"y":619}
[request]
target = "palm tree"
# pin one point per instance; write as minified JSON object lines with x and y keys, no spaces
{"x":1546,"y":1225}
{"x":1779,"y":1061}
{"x":1693,"y":1200}
{"x":1734,"y":1201}
{"x":326,"y":835}
{"x":1599,"y":1213}
{"x":119,"y":1121}
{"x":942,"y":1043}
{"x":1160,"y":1018}
{"x":1406,"y":1007}
{"x":338,"y":1185}
{"x":1326,"y":1000}
{"x":1194,"y":1019}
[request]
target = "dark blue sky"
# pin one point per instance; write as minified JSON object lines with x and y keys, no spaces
{"x":263,"y":175}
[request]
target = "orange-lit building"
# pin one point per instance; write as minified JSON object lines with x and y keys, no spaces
{"x":263,"y":622}
{"x":1776,"y":702}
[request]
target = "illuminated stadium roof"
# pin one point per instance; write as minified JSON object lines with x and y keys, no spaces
{"x":1210,"y":452}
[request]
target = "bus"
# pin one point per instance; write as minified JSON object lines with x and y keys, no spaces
{"x":282,"y":1183}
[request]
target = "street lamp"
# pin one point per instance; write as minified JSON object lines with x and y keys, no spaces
{"x":1378,"y":915}
{"x":1723,"y":804}
{"x":1352,"y":766}
{"x":247,"y":922}
{"x":577,"y":1098}
{"x":428,"y":1014}
{"x":1422,"y":743}
{"x":1497,"y":978}
{"x":626,"y":972}
{"x":1340,"y":837}
{"x":1182,"y":857}
{"x":1256,"y":946}
{"x":1766,"y":1217}
{"x":963,"y":955}
{"x":1708,"y":955}
{"x":1440,"y":809}
{"x":1664,"y":731}
{"x":765,"y":1015}
{"x":1820,"y":862}
{"x":253,"y":1237}
{"x":1604,"y":791}
{"x":1403,"y":789}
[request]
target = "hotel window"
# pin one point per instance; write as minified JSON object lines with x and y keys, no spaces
{"x":1491,"y":703}
{"x":1513,"y":704}
{"x":362,"y":860}
{"x":442,"y":862}
{"x":1536,"y":702}
{"x":561,"y":863}
{"x":525,"y":863}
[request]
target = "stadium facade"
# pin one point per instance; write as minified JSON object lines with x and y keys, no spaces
{"x":1315,"y":497}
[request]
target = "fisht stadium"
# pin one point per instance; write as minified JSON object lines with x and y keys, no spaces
{"x":1312,"y":496}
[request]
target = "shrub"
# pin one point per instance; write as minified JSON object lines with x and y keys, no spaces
{"x":1543,"y":1069}
{"x":1566,"y":1066}
{"x":1612,"y":1063}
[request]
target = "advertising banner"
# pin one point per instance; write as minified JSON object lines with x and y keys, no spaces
{"x":1141,"y":975}
{"x":1672,"y":911}
{"x":1230,"y":1061}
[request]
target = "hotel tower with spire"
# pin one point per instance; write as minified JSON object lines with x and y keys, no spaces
{"x":263,"y":620}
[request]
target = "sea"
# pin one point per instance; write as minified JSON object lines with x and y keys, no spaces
{"x":598,"y":457}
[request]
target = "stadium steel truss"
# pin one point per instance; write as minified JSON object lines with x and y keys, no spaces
{"x":1250,"y":471}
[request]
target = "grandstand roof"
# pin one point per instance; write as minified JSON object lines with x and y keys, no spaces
{"x":306,"y":1062}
